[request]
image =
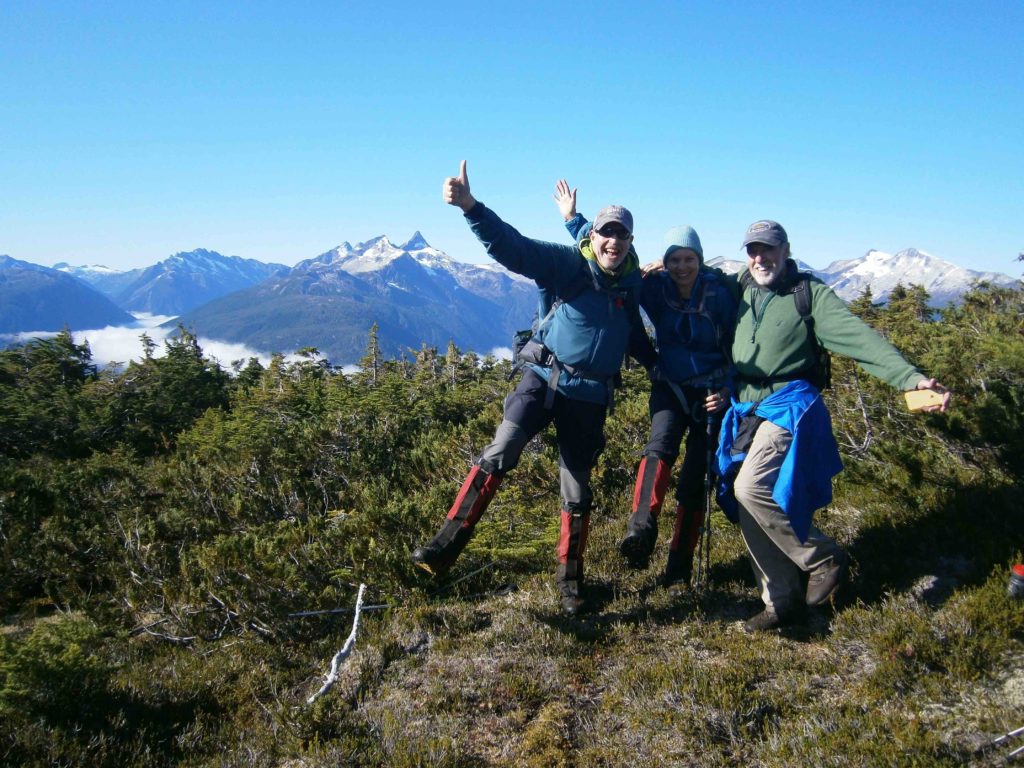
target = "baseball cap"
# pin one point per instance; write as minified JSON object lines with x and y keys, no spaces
{"x":765,"y":231}
{"x":614,"y":214}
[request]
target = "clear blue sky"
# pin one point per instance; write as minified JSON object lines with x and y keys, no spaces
{"x":130,"y":131}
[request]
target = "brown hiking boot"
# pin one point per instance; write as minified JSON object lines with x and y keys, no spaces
{"x":826,"y":579}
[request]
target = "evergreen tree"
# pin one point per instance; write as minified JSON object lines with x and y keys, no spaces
{"x":39,"y":405}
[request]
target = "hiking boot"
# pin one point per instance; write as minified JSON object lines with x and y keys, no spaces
{"x":685,"y":535}
{"x":769,"y":618}
{"x":572,"y":543}
{"x":642,"y":529}
{"x":673,"y":578}
{"x":637,"y":547}
{"x":432,"y":558}
{"x":826,"y":579}
{"x":572,"y":605}
{"x":438,"y":555}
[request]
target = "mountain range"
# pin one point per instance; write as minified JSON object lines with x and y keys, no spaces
{"x":177,"y":284}
{"x":881,"y":272}
{"x":414,"y":292}
{"x":35,"y":298}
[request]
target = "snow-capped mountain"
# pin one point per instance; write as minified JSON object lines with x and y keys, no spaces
{"x":945,"y":282}
{"x":110,"y":282}
{"x":415,"y":293}
{"x":177,"y":284}
{"x":378,"y":254}
{"x":190,"y":279}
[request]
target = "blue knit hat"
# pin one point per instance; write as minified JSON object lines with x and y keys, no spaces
{"x":682,"y":237}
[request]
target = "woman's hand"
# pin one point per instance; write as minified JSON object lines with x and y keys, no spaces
{"x":717,"y":400}
{"x":565,"y":199}
{"x":652,"y":268}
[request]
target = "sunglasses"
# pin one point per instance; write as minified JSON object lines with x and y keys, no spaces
{"x":610,"y":230}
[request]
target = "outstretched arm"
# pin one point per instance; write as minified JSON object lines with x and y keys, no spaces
{"x":549,"y":264}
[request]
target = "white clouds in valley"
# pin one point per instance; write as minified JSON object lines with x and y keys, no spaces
{"x":121,"y":344}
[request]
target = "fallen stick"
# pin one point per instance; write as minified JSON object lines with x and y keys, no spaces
{"x":346,"y":649}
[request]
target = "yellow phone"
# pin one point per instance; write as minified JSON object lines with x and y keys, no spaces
{"x":922,"y":398}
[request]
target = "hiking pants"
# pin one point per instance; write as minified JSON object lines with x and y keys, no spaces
{"x":579,"y":433}
{"x":669,"y":422}
{"x":776,"y":552}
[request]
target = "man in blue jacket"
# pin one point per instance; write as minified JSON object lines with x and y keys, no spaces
{"x":693,"y":313}
{"x":569,"y":371}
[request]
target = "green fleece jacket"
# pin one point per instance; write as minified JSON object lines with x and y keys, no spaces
{"x":772,"y":339}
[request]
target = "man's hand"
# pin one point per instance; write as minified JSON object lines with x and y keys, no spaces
{"x":565,"y":199}
{"x":933,"y":384}
{"x":455,"y":190}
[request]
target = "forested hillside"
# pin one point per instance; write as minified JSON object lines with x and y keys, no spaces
{"x":161,"y":526}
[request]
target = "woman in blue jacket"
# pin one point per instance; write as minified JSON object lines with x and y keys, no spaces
{"x":568,"y":377}
{"x":693,"y":311}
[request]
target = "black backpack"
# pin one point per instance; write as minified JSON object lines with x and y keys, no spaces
{"x":820,"y":372}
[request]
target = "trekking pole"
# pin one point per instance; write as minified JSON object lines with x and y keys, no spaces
{"x":704,"y":549}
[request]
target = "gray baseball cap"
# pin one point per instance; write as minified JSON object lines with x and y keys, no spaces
{"x":765,"y":231}
{"x":614,"y":214}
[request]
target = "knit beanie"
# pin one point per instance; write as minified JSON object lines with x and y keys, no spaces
{"x":682,"y":237}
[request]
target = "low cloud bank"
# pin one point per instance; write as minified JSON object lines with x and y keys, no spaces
{"x":123,"y":343}
{"x":120,"y":344}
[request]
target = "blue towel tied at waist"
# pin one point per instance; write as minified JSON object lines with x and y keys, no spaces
{"x":805,"y":478}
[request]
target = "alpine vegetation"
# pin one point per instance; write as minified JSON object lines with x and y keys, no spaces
{"x":182,"y":551}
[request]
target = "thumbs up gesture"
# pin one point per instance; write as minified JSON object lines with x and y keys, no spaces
{"x":455,"y":190}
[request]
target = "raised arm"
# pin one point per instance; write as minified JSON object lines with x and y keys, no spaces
{"x":565,"y":199}
{"x":550,"y":264}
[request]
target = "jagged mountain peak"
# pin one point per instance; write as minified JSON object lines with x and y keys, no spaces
{"x":415,"y":243}
{"x":197,"y":253}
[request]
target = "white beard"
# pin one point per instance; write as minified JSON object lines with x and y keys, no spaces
{"x":765,"y":279}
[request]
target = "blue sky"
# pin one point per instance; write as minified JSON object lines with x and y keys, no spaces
{"x":131,"y":131}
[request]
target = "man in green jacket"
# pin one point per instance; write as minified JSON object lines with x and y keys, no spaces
{"x":780,"y":421}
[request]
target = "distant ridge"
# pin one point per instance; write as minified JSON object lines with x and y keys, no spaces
{"x":177,"y":284}
{"x":414,"y":292}
{"x":881,"y":271}
{"x":36,"y":298}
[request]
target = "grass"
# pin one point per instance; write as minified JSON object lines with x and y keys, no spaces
{"x":917,"y":663}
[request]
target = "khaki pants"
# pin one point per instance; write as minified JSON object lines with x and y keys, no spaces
{"x":776,"y":553}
